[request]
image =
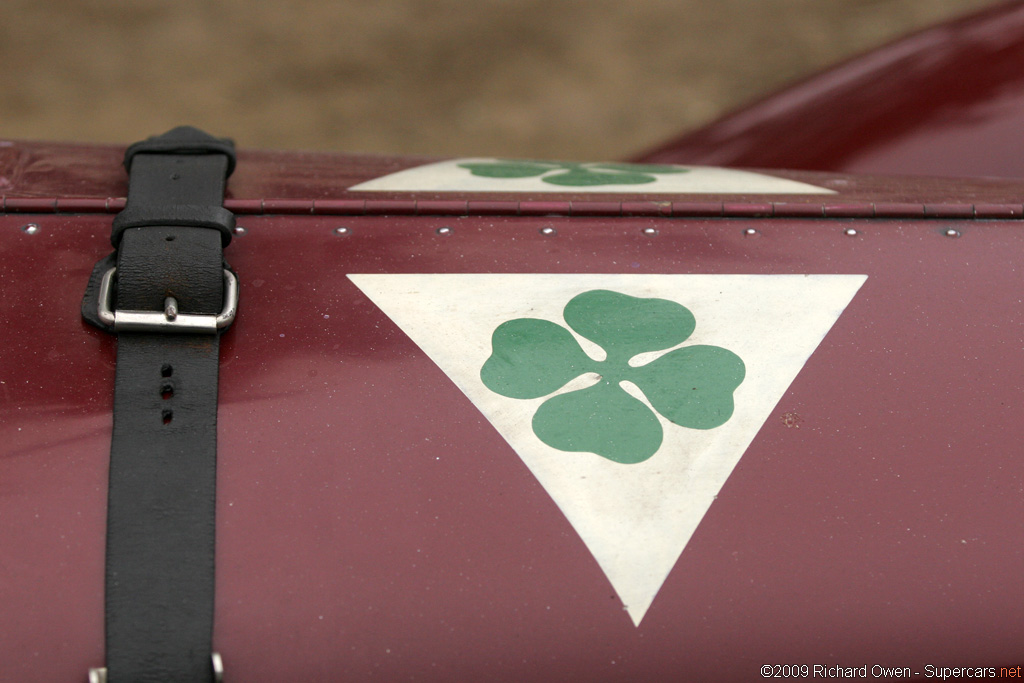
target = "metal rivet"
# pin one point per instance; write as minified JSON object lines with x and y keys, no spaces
{"x":547,"y":231}
{"x":444,"y":230}
{"x":239,"y":230}
{"x":30,"y":228}
{"x":342,"y":231}
{"x":751,"y":232}
{"x":850,"y":232}
{"x":651,"y":231}
{"x":171,"y":308}
{"x":952,"y":232}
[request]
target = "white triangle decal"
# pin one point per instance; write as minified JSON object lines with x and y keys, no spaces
{"x":507,"y":175}
{"x":635,"y":518}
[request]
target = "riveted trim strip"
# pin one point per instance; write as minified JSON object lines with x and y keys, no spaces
{"x":385,"y":207}
{"x":748,"y":210}
{"x":488,"y":208}
{"x":899,"y":210}
{"x":949,"y":210}
{"x":30,"y":205}
{"x":849,"y":210}
{"x":595,"y":208}
{"x":545,"y":208}
{"x":697,"y":209}
{"x":249,"y":206}
{"x":783,"y":210}
{"x":647,"y":209}
{"x":289,"y":206}
{"x":442,"y":207}
{"x":339,"y":207}
{"x":81,"y":205}
{"x":998,"y":211}
{"x":409,"y":207}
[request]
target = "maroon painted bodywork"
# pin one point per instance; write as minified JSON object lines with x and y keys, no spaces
{"x":373,"y":525}
{"x":947,"y":101}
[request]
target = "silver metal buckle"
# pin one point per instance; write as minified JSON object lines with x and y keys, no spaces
{"x":170,"y":320}
{"x":99,"y":674}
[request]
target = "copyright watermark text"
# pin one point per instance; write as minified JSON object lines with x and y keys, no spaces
{"x":835,"y":671}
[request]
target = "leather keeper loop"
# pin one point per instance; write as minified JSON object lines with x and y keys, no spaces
{"x":187,"y":215}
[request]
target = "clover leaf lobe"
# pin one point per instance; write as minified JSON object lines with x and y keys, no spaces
{"x":642,"y":168}
{"x":586,"y":177}
{"x":601,"y":419}
{"x":506,"y":169}
{"x":625,"y":325}
{"x":531,"y":358}
{"x":692,"y":386}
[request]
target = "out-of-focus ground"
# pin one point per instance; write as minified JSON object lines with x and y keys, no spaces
{"x":559,"y":79}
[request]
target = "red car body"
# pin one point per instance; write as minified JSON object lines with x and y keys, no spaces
{"x":946,"y":101}
{"x":372,"y":521}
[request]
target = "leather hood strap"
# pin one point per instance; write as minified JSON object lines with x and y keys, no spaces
{"x":161,"y":500}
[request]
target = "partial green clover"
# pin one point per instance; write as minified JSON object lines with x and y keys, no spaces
{"x":571,"y":174}
{"x":691,"y":386}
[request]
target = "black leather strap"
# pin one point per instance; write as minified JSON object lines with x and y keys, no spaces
{"x":177,"y":179}
{"x":179,"y":141}
{"x":161,"y":504}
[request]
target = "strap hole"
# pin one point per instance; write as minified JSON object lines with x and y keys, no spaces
{"x":168,"y":415}
{"x":166,"y":391}
{"x":169,"y":238}
{"x":166,"y":370}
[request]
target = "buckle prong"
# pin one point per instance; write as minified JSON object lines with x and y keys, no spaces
{"x":170,"y":308}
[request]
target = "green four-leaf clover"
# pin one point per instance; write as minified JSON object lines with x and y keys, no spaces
{"x":691,"y":386}
{"x":571,"y":174}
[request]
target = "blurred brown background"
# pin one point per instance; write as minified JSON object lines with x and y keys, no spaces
{"x":571,"y":79}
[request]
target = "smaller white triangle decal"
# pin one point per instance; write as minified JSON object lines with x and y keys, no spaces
{"x":507,"y":175}
{"x":634,"y":518}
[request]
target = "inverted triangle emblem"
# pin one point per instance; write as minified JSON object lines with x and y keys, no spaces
{"x":631,"y":398}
